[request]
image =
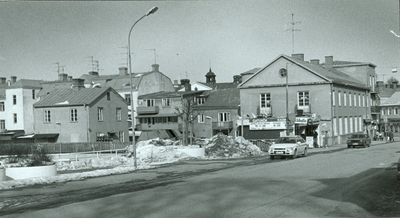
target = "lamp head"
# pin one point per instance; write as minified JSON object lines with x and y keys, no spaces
{"x":152,"y":11}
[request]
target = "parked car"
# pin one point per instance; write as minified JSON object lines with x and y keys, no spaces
{"x":288,"y":146}
{"x":358,"y":139}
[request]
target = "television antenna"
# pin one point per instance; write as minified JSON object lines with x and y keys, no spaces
{"x":155,"y":54}
{"x":293,"y":30}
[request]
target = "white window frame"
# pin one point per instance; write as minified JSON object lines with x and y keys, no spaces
{"x":100,"y":114}
{"x":304,"y":98}
{"x":47,"y":116}
{"x":166,"y":102}
{"x":346,"y":125}
{"x":350,"y":99}
{"x":333,"y":98}
{"x":224,"y":117}
{"x":2,"y":106}
{"x":339,"y":98}
{"x":201,"y":118}
{"x":73,"y":115}
{"x":344,"y":99}
{"x":265,"y":100}
{"x":118,"y":114}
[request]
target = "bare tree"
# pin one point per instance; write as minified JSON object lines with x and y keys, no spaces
{"x":185,"y":112}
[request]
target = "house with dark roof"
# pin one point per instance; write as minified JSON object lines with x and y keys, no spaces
{"x":390,"y":114}
{"x":80,"y":114}
{"x":218,"y":114}
{"x":307,"y":98}
{"x":158,"y":116}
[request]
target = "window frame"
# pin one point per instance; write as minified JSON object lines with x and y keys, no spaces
{"x":100,"y":114}
{"x":47,"y":116}
{"x":73,"y":115}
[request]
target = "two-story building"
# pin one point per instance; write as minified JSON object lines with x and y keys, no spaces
{"x":81,"y":114}
{"x":16,"y":111}
{"x":305,"y":98}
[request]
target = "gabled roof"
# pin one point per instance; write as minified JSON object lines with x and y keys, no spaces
{"x":221,"y":98}
{"x":334,"y":76}
{"x":26,"y":84}
{"x":350,"y":63}
{"x":393,"y":100}
{"x":71,"y":97}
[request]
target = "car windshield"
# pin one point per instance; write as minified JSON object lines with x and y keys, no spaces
{"x":357,"y":136}
{"x":285,"y":140}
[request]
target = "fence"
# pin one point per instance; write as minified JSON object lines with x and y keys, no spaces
{"x":263,"y":144}
{"x":60,"y":148}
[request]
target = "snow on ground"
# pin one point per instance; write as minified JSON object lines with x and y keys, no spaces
{"x":149,"y":154}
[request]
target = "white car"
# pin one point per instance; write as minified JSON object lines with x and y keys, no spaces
{"x":289,"y":146}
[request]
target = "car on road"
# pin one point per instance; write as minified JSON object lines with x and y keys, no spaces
{"x":358,"y":139}
{"x":288,"y":146}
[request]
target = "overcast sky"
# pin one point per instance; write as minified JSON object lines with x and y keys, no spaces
{"x":189,"y":37}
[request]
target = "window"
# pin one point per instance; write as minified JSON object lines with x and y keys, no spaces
{"x":128,"y":98}
{"x":355,"y":124}
{"x":15,"y":118}
{"x":355,"y":100}
{"x":121,"y":136}
{"x":396,"y":111}
{"x":334,"y":126}
{"x":166,"y":102}
{"x":383,"y":111}
{"x":33,"y":94}
{"x":108,"y":96}
{"x":223,"y":117}
{"x":339,"y":99}
{"x":149,"y":102}
{"x":303,"y":99}
{"x":14,"y":99}
{"x":389,"y":111}
{"x":265,"y":100}
{"x":73,"y":115}
{"x":2,"y":106}
{"x":200,"y":100}
{"x":346,"y":126}
{"x":351,"y":124}
{"x":119,"y":114}
{"x":100,"y":112}
{"x":363,"y":100}
{"x":333,"y":98}
{"x":2,"y":124}
{"x":201,"y":118}
{"x":340,"y":126}
{"x":47,"y":116}
{"x":359,"y":100}
{"x":350,"y":99}
{"x":344,"y":99}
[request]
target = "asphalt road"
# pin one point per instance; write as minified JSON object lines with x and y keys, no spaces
{"x":358,"y":182}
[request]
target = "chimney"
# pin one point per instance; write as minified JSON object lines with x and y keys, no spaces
{"x":155,"y":68}
{"x":315,"y":61}
{"x":237,"y":79}
{"x":186,"y":84}
{"x":329,"y":63}
{"x":298,"y":56}
{"x":78,"y":84}
{"x":94,"y":73}
{"x":62,"y":77}
{"x":123,"y":71}
{"x":69,"y":78}
{"x":13,"y":79}
{"x":3,"y":80}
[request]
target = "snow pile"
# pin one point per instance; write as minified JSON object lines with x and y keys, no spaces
{"x":225,"y":146}
{"x":150,"y":152}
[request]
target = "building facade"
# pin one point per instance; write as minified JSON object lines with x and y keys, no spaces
{"x":82,"y":115}
{"x":304,"y":98}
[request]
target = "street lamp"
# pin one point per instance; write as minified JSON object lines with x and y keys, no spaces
{"x":151,"y":11}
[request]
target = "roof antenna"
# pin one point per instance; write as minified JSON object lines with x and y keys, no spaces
{"x":293,"y":29}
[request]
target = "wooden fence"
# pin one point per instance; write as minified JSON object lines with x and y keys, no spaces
{"x":59,"y":148}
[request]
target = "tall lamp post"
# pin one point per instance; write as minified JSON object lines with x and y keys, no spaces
{"x":151,"y":11}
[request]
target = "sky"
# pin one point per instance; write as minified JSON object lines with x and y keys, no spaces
{"x":187,"y":38}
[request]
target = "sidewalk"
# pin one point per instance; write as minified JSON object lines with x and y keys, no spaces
{"x":342,"y":146}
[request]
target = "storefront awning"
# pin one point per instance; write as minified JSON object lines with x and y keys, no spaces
{"x":45,"y":136}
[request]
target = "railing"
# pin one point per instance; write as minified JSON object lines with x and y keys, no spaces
{"x":222,"y":125}
{"x":59,"y":148}
{"x":148,"y":110}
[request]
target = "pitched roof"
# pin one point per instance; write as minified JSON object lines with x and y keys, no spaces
{"x":334,"y":76}
{"x":161,"y":95}
{"x":252,"y":71}
{"x":71,"y":97}
{"x":221,"y":98}
{"x":393,"y":100}
{"x":350,"y":63}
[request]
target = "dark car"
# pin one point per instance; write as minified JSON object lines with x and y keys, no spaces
{"x":359,"y":139}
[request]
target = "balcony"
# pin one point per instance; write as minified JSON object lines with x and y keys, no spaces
{"x":147,"y":110}
{"x":222,"y":125}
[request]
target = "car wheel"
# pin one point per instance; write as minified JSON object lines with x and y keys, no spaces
{"x":305,"y":152}
{"x":294,"y":154}
{"x":364,"y":145}
{"x":272,"y":157}
{"x":348,"y":146}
